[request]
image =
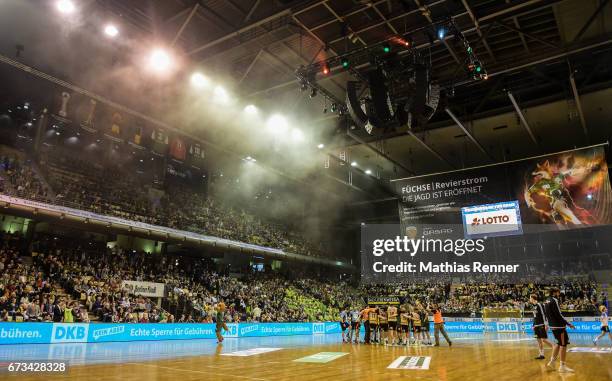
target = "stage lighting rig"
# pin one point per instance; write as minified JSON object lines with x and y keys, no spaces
{"x":474,"y":66}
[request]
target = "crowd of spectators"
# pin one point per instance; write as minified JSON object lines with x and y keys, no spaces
{"x":57,"y":279}
{"x":17,"y":178}
{"x":113,"y":190}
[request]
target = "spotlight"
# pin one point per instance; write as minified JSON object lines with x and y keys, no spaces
{"x":221,"y":95}
{"x":111,"y":31}
{"x":325,"y":69}
{"x":65,"y":6}
{"x":250,"y":109}
{"x":345,"y":63}
{"x":353,"y":164}
{"x":441,"y":32}
{"x":368,"y":172}
{"x":297,"y":135}
{"x":321,"y":146}
{"x":159,"y":60}
{"x":277,"y":124}
{"x":589,"y":196}
{"x":313,"y":92}
{"x":386,"y":48}
{"x":198,"y":80}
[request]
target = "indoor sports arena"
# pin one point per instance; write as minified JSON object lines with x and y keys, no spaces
{"x":305,"y":190}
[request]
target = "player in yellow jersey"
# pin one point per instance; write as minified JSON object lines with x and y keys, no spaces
{"x":416,"y":325}
{"x":393,"y":326}
{"x":383,"y":326}
{"x":405,"y":325}
{"x":373,"y":319}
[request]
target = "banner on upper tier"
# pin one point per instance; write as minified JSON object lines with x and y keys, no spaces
{"x":568,"y":189}
{"x":383,"y":300}
{"x":52,"y":333}
{"x":149,"y":289}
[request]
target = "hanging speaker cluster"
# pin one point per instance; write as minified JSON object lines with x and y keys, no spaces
{"x":398,"y":99}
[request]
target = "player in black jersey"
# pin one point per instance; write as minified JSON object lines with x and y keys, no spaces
{"x":558,"y":326}
{"x":540,"y":325}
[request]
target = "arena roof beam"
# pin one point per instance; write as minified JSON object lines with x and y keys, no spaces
{"x":380,"y":153}
{"x":238,"y":32}
{"x":380,"y":14}
{"x":488,"y":95}
{"x":527,"y":34}
{"x":468,"y":133}
{"x":477,"y":25}
{"x":579,"y":105}
{"x":427,"y":15}
{"x":522,"y":118}
{"x":430,"y":149}
{"x":185,"y":23}
{"x":401,"y":15}
{"x":251,"y":65}
{"x":493,"y":16}
{"x":251,"y":11}
{"x":518,"y":26}
{"x":341,"y":20}
{"x":590,"y":20}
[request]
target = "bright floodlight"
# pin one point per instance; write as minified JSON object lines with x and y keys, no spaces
{"x":198,"y":80}
{"x":65,"y":6}
{"x":277,"y":124}
{"x":111,"y":31}
{"x":297,"y":135}
{"x":159,"y":60}
{"x":321,"y":146}
{"x":221,"y":95}
{"x":368,"y":172}
{"x":353,"y":164}
{"x":250,"y":109}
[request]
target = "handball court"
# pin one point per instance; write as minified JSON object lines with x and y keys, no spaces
{"x":472,"y":357}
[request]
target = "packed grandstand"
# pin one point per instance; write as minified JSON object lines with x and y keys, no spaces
{"x":49,"y":277}
{"x":60,"y":280}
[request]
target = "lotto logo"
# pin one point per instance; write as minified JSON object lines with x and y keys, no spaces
{"x":489,"y":220}
{"x":507,"y":327}
{"x":69,"y":333}
{"x":318,"y":328}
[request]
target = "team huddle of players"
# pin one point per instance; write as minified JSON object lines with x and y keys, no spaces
{"x":393,"y":325}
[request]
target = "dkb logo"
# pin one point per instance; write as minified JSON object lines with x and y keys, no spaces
{"x":507,"y":327}
{"x":233,"y":330}
{"x":69,"y":333}
{"x":318,"y":328}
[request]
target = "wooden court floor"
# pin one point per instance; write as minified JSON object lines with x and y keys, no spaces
{"x":467,"y":360}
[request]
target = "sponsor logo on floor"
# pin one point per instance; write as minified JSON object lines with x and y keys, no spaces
{"x":411,"y":362}
{"x":251,"y":352}
{"x":322,"y":357}
{"x":590,"y":350}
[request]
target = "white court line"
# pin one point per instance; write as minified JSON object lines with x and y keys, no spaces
{"x":514,"y":340}
{"x":197,"y":371}
{"x":465,"y":338}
